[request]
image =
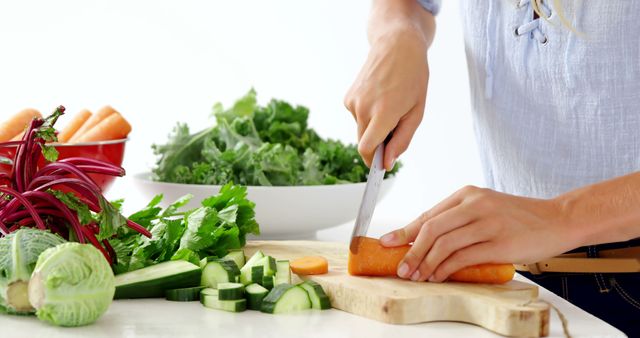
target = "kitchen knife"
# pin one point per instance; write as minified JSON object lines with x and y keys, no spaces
{"x":368,"y":204}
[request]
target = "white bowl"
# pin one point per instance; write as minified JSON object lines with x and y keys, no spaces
{"x":289,"y":212}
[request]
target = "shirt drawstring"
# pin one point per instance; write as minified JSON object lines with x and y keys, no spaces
{"x":492,"y":36}
{"x":531,"y":28}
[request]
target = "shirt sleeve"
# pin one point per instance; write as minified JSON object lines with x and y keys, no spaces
{"x":432,"y":6}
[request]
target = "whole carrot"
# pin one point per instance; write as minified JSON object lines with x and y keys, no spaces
{"x":17,"y":123}
{"x":74,"y":125}
{"x":92,"y":121}
{"x":373,"y":259}
{"x":113,"y":127}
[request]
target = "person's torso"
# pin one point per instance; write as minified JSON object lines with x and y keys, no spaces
{"x":553,"y":110}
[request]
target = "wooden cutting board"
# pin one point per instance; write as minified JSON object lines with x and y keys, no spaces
{"x":511,"y":309}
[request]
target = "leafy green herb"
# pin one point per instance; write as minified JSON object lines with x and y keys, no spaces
{"x":257,"y":145}
{"x":219,"y":225}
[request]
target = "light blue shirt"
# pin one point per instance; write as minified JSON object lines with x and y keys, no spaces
{"x":553,"y":110}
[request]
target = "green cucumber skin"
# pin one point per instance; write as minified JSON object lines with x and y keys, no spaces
{"x":157,"y":287}
{"x":225,"y":305}
{"x":230,"y":291}
{"x":246,"y":270}
{"x":184,"y":294}
{"x":270,"y":266}
{"x":279,"y":294}
{"x":317,"y":296}
{"x":255,"y":294}
{"x":256,"y":274}
{"x":268,"y":282}
{"x":237,"y":256}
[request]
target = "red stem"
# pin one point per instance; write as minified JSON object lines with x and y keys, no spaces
{"x":19,"y":197}
{"x":92,"y":238}
{"x":69,"y":215}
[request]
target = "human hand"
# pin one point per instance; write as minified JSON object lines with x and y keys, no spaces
{"x":475,"y":226}
{"x":389,"y":93}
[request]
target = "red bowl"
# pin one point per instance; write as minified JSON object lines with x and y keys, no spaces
{"x":108,"y":151}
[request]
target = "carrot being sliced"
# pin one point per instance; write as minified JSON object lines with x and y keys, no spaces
{"x":74,"y":125}
{"x":373,"y":259}
{"x":17,"y":123}
{"x":310,"y":265}
{"x":92,"y":121}
{"x":111,"y":128}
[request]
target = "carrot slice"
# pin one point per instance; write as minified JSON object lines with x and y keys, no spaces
{"x":310,"y":265}
{"x":17,"y":123}
{"x":373,"y":259}
{"x":111,"y":128}
{"x":74,"y":125}
{"x":91,"y":122}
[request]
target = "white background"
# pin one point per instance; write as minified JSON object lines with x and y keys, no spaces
{"x":159,"y":62}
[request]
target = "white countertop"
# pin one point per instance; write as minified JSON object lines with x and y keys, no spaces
{"x":161,"y":318}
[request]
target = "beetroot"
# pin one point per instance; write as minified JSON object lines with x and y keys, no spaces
{"x":60,"y":196}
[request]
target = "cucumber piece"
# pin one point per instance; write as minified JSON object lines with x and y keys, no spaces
{"x":206,"y":260}
{"x":213,"y":302}
{"x":230,"y":291}
{"x":286,"y":298}
{"x":219,"y":271}
{"x":245,"y":271}
{"x":154,"y":280}
{"x":319,"y":299}
{"x":209,"y":292}
{"x":255,"y":294}
{"x":257,"y":272}
{"x":283,"y":272}
{"x":268,"y":282}
{"x":269,"y":265}
{"x":237,"y":256}
{"x":183,"y":294}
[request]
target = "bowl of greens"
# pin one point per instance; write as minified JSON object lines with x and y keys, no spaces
{"x":300,"y":182}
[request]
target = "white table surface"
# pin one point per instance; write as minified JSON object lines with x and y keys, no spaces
{"x":161,"y":318}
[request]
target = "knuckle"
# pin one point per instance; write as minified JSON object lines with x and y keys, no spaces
{"x":442,"y":245}
{"x":424,"y":217}
{"x":468,"y":190}
{"x":411,"y":258}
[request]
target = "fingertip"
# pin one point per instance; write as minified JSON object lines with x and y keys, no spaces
{"x":388,"y":239}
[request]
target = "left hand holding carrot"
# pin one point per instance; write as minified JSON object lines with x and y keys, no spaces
{"x":475,"y":226}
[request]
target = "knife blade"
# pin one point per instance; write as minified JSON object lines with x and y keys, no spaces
{"x":369,"y":198}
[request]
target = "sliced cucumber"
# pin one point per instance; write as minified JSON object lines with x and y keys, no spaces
{"x":153,"y":281}
{"x":286,"y":298}
{"x":269,"y":264}
{"x":183,"y":294}
{"x":209,"y":292}
{"x":283,"y":272}
{"x":206,"y":260}
{"x":319,"y":299}
{"x":237,"y":256}
{"x":213,"y":302}
{"x":245,"y":271}
{"x":219,"y":271}
{"x":255,"y":295}
{"x":257,"y":272}
{"x":230,"y":291}
{"x":268,"y":282}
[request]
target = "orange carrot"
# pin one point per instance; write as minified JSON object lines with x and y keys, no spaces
{"x":372,"y":259}
{"x":18,"y":137}
{"x":310,"y":265}
{"x":17,"y":123}
{"x":92,"y":121}
{"x":74,"y":125}
{"x":111,"y":128}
